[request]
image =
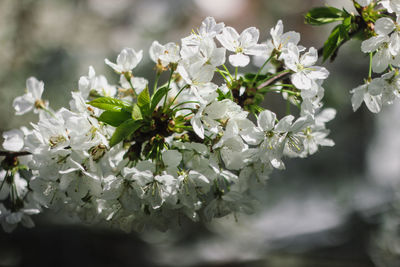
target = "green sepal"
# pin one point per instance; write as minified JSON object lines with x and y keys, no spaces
{"x":222,"y":96}
{"x":255,"y":109}
{"x":258,"y":98}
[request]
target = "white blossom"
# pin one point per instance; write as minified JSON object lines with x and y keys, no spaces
{"x":127,"y":60}
{"x":362,"y":94}
{"x":305,"y":73}
{"x":281,"y":40}
{"x":32,"y":99}
{"x":391,"y":5}
{"x":208,"y":29}
{"x":387,"y":46}
{"x":364,"y":2}
{"x":166,"y":54}
{"x":242,"y":45}
{"x":197,"y":152}
{"x":13,"y":140}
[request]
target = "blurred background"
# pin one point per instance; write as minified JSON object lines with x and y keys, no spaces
{"x":339,"y":207}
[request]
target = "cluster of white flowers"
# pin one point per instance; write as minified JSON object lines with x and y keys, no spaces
{"x":192,"y":149}
{"x":384,"y":49}
{"x":390,"y":5}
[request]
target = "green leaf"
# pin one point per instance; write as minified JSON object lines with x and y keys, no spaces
{"x":114,"y":118}
{"x":338,"y":35}
{"x":136,"y":113}
{"x":347,"y":22}
{"x":157,"y":96}
{"x":123,"y":131}
{"x":110,"y":104}
{"x":324,"y":15}
{"x":144,"y":98}
{"x":249,"y":77}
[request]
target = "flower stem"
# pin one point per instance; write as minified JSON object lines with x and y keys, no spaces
{"x":133,"y":89}
{"x":156,"y":81}
{"x":236,"y":73}
{"x":262,"y":67}
{"x":222,"y":74}
{"x":227,"y":71}
{"x":370,"y":66}
{"x":168,"y":87}
{"x":176,"y":97}
{"x":186,"y":102}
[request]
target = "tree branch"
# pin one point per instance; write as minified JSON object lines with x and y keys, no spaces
{"x":14,"y":154}
{"x":268,"y":82}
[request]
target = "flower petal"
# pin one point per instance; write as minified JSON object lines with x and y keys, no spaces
{"x":239,"y":60}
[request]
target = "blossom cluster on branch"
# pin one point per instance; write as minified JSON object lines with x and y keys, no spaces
{"x":190,"y":148}
{"x":146,"y":153}
{"x":384,"y":49}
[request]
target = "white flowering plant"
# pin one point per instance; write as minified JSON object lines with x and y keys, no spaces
{"x":376,"y":24}
{"x":134,"y":155}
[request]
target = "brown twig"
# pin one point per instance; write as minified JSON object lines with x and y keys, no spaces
{"x":268,"y":82}
{"x":14,"y":154}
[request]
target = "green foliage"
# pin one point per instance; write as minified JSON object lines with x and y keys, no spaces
{"x":136,"y":112}
{"x":370,"y":14}
{"x":114,"y":118}
{"x":323,"y":15}
{"x":126,"y":117}
{"x":144,"y":99}
{"x":222,"y":96}
{"x":124,"y":130}
{"x":255,"y":109}
{"x":343,"y":32}
{"x":250,"y":77}
{"x":110,"y":104}
{"x":338,"y":36}
{"x":157,"y":96}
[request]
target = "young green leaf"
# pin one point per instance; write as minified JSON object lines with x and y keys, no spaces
{"x":123,"y":131}
{"x":114,"y":118}
{"x":110,"y":104}
{"x":144,"y":98}
{"x":337,"y":36}
{"x":136,"y":113}
{"x":157,"y":96}
{"x":324,"y":15}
